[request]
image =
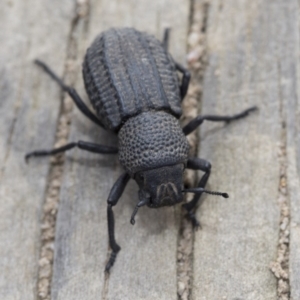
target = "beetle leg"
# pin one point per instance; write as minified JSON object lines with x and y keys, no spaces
{"x":185,"y":79}
{"x":186,"y":74}
{"x":165,"y":40}
{"x":91,"y":147}
{"x":113,"y":198}
{"x":72,"y":92}
{"x":205,"y":166}
{"x":192,"y":125}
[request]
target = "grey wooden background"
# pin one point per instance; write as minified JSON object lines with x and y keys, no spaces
{"x":244,"y":53}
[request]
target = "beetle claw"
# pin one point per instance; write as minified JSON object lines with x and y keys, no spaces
{"x":191,"y":217}
{"x":111,"y":260}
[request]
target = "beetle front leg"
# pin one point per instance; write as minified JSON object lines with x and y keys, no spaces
{"x":113,"y":198}
{"x":205,"y":166}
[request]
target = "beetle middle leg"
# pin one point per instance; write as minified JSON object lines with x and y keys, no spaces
{"x":72,"y":92}
{"x":113,"y":198}
{"x":192,"y":125}
{"x":91,"y":147}
{"x":205,"y":166}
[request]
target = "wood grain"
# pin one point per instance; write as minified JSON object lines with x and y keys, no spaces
{"x":146,"y":266}
{"x":240,"y":235}
{"x":29,"y":108}
{"x":288,"y":61}
{"x":253,"y":59}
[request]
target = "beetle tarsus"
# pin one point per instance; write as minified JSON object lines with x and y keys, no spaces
{"x":193,"y":124}
{"x":111,"y":260}
{"x":113,"y":198}
{"x":72,"y":92}
{"x":47,"y":69}
{"x":205,"y":166}
{"x":191,"y":217}
{"x":91,"y":147}
{"x":112,"y":242}
{"x":166,"y":38}
{"x":243,"y":114}
{"x":132,"y":220}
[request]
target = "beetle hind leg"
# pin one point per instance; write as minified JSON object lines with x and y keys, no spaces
{"x":205,"y":166}
{"x":185,"y":81}
{"x":72,"y":92}
{"x":166,"y":38}
{"x":186,"y":76}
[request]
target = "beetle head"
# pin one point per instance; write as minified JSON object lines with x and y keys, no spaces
{"x":162,"y":186}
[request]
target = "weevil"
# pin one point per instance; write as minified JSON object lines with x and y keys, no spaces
{"x":134,"y":86}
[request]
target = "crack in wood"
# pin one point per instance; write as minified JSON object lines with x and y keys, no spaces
{"x":106,"y":281}
{"x":280,"y":267}
{"x":197,"y":62}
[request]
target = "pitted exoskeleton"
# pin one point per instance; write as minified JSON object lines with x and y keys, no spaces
{"x":134,"y":86}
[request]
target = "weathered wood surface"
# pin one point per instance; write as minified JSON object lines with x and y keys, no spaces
{"x":290,"y":90}
{"x":146,"y":265}
{"x":252,"y":49}
{"x":27,"y":120}
{"x":253,"y":58}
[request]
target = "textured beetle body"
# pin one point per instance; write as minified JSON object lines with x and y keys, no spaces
{"x":152,"y":140}
{"x":132,"y":83}
{"x":127,"y":72}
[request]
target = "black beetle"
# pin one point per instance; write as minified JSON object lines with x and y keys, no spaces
{"x":133,"y":85}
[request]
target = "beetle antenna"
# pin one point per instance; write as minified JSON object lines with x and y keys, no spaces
{"x":141,"y":203}
{"x":202,"y":190}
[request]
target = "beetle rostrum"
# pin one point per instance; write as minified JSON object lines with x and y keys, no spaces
{"x":134,"y":86}
{"x":161,"y":186}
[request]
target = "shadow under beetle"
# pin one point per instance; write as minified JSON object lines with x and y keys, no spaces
{"x":133,"y":85}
